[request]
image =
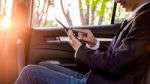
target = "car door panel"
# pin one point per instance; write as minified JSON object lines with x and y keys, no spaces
{"x":51,"y":44}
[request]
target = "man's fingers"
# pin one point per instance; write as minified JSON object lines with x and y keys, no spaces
{"x":81,"y":36}
{"x":84,"y":31}
{"x":71,"y":35}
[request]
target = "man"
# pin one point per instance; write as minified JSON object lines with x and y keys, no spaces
{"x":125,"y":61}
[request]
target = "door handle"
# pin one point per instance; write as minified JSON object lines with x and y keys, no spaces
{"x":49,"y":40}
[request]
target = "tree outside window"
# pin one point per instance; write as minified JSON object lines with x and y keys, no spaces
{"x":74,"y":12}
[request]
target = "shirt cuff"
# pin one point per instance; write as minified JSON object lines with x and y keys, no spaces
{"x":95,"y":47}
{"x":76,"y":51}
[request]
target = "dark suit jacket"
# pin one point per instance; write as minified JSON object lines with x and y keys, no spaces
{"x":127,"y":57}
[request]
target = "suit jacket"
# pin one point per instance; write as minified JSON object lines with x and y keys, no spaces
{"x":127,"y":57}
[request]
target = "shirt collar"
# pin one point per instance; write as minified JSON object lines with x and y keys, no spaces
{"x":136,"y":10}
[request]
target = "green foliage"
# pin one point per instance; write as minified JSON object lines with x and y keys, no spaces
{"x":87,"y":2}
{"x":50,"y":24}
{"x":103,"y":8}
{"x":100,"y":4}
{"x":95,"y":3}
{"x":104,"y":11}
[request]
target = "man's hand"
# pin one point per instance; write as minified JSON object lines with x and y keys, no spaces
{"x":85,"y":35}
{"x":74,"y":42}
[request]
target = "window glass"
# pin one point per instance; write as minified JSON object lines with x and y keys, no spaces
{"x":5,"y":13}
{"x":74,"y":12}
{"x":71,"y":12}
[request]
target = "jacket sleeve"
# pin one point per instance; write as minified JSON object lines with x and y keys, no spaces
{"x":131,"y":51}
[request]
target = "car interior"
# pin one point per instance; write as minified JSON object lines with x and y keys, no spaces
{"x":23,"y":44}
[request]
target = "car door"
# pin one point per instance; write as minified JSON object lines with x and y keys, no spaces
{"x":50,"y":44}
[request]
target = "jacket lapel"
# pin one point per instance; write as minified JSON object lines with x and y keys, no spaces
{"x":121,"y":31}
{"x":126,"y":24}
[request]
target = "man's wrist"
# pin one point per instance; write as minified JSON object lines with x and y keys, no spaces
{"x":93,"y":47}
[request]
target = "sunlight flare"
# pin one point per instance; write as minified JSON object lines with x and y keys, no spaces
{"x":5,"y":13}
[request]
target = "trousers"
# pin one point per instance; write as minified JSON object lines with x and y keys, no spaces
{"x":36,"y":74}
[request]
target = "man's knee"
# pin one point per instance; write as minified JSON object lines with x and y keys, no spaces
{"x":27,"y":73}
{"x":30,"y":69}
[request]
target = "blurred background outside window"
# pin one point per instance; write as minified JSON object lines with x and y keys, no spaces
{"x":5,"y":13}
{"x":74,"y":12}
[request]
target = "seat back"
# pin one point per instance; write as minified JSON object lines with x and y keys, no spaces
{"x":147,"y":77}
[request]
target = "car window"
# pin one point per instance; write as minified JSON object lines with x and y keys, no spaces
{"x":74,"y":12}
{"x":5,"y":13}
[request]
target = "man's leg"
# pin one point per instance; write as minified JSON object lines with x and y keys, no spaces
{"x":34,"y":74}
{"x":62,"y":69}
